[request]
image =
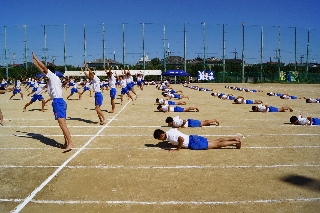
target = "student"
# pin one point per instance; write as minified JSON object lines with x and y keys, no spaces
{"x":177,"y":122}
{"x":74,"y":89}
{"x":37,"y":96}
{"x":241,"y":100}
{"x":98,"y":97}
{"x":168,"y":102}
{"x":312,"y":100}
{"x":124,"y":89}
{"x":194,"y":142}
{"x":226,"y":97}
{"x":1,"y":118}
{"x":113,"y":91}
{"x":308,"y":121}
{"x":86,"y":86}
{"x":17,"y":89}
{"x":58,"y":104}
{"x":168,"y":108}
{"x":140,"y":81}
{"x":174,"y":95}
{"x":266,"y":108}
{"x":287,"y":96}
{"x":130,"y":83}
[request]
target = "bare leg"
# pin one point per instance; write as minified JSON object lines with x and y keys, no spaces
{"x":208,"y":122}
{"x":223,"y":142}
{"x":1,"y":118}
{"x":25,"y":107}
{"x":113,"y":105}
{"x":100,"y":115}
{"x":191,"y":109}
{"x":258,"y":102}
{"x":66,"y":133}
{"x":283,"y":109}
{"x":43,"y":104}
{"x":181,"y":103}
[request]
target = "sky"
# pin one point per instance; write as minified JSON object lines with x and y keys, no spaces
{"x":70,"y":31}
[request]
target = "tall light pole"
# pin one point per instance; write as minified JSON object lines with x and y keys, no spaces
{"x":204,"y":45}
{"x":185,"y":48}
{"x":261,"y":53}
{"x":143,"y":51}
{"x":84,"y":43}
{"x":242,"y":57}
{"x":123,"y":46}
{"x":308,"y":47}
{"x":223,"y":54}
{"x":164,"y":48}
{"x":25,"y":46}
{"x":45,"y":45}
{"x":103,"y":47}
{"x":6,"y":50}
{"x":279,"y":54}
{"x":64,"y":48}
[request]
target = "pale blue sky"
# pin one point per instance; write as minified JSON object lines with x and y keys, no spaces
{"x":172,"y":14}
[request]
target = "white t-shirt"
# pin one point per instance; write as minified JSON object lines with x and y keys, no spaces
{"x":161,"y":101}
{"x":303,"y":121}
{"x":123,"y":83}
{"x":96,"y":84}
{"x":173,"y":135}
{"x":54,"y":85}
{"x":313,"y":100}
{"x":40,"y":89}
{"x":112,"y":82}
{"x":262,"y":108}
{"x":177,"y":122}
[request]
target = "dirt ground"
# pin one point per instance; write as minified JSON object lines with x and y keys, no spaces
{"x":120,"y":167}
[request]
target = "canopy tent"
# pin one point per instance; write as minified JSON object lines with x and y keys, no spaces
{"x":175,"y":73}
{"x":59,"y":74}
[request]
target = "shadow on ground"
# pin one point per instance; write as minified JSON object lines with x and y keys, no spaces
{"x":302,"y":181}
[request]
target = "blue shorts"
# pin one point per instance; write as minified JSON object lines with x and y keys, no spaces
{"x":124,"y":91}
{"x":176,"y":96}
{"x":315,"y":121}
{"x":15,"y":91}
{"x":98,"y":99}
{"x":194,"y":123}
{"x":86,"y":88}
{"x":278,"y":94}
{"x":172,"y":91}
{"x":232,"y":97}
{"x":273,"y":109}
{"x":139,"y":83}
{"x":293,"y":97}
{"x":129,"y":87}
{"x":178,"y":109}
{"x":171,"y":103}
{"x":71,"y":84}
{"x":197,"y":142}
{"x":36,"y":97}
{"x":254,"y":90}
{"x":34,"y":89}
{"x":249,"y":101}
{"x":59,"y":107}
{"x":73,"y":90}
{"x":113,"y":93}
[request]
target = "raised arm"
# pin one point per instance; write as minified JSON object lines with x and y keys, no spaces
{"x":91,"y":74}
{"x":86,"y":74}
{"x":39,"y":64}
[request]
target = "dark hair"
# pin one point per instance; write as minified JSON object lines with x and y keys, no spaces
{"x":254,"y":108}
{"x":157,"y":100}
{"x":51,"y":69}
{"x":157,"y":133}
{"x":268,"y":93}
{"x":212,"y":94}
{"x":293,"y":119}
{"x":159,"y":106}
{"x":219,"y":96}
{"x":169,"y":120}
{"x":307,"y":100}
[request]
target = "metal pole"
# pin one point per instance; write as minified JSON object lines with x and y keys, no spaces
{"x":223,"y":55}
{"x":261,"y":54}
{"x":25,"y":46}
{"x":123,"y":45}
{"x":143,"y":52}
{"x":164,"y":48}
{"x":295,"y":49}
{"x":185,"y":49}
{"x":279,"y":55}
{"x":64,"y":48}
{"x":243,"y":81}
{"x":6,"y":50}
{"x":84,"y":43}
{"x":308,"y":47}
{"x":45,"y":44}
{"x":103,"y":47}
{"x":204,"y":45}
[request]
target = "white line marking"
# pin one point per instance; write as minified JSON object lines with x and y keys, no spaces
{"x":147,"y":135}
{"x":157,"y":148}
{"x":31,"y":196}
{"x":166,"y":167}
{"x":121,"y":202}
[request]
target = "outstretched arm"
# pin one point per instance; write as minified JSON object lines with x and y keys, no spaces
{"x":86,"y":74}
{"x":39,"y":64}
{"x":180,"y":141}
{"x":90,"y":75}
